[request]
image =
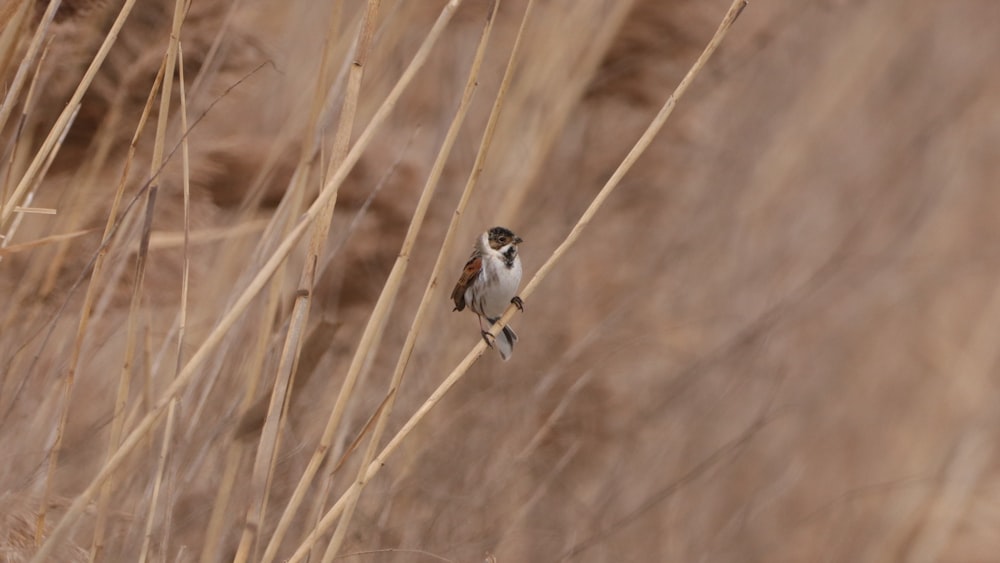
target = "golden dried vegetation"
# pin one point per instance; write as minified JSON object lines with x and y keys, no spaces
{"x":765,"y":331}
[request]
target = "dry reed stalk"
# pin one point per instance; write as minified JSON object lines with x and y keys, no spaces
{"x":157,"y":483}
{"x":35,"y":210}
{"x":62,"y":123}
{"x":555,"y":120}
{"x":161,"y":240}
{"x":396,"y":381}
{"x":67,"y":391}
{"x":16,"y":161}
{"x":12,"y":18}
{"x":459,"y":371}
{"x":279,"y":223}
{"x":16,"y":248}
{"x":256,"y":284}
{"x":403,"y":260}
{"x":263,"y":468}
{"x":88,"y":302}
{"x":372,"y":329}
{"x":83,"y":183}
{"x":215,"y":530}
{"x":211,"y":62}
{"x":124,"y":381}
{"x":182,"y":319}
{"x":131,"y":332}
{"x":5,"y":238}
{"x":320,"y":500}
{"x":325,"y":93}
{"x":34,"y":48}
{"x":192,"y":421}
{"x":29,"y":197}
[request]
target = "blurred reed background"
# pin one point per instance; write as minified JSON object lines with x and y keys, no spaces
{"x":777,"y":341}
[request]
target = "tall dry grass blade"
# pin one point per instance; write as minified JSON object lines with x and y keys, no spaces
{"x":216,"y":529}
{"x":17,"y":160}
{"x":125,"y":377}
{"x":182,"y":321}
{"x":372,"y":329}
{"x":14,"y":249}
{"x":279,"y":224}
{"x":19,"y":210}
{"x":35,"y":210}
{"x":459,"y":371}
{"x":98,"y":263}
{"x":62,"y":123}
{"x":633,"y":155}
{"x":34,"y":48}
{"x":157,"y":483}
{"x":5,"y":238}
{"x":320,"y":500}
{"x":254,"y":287}
{"x":434,"y":177}
{"x":263,"y":469}
{"x":12,"y":18}
{"x":115,"y":225}
{"x":131,"y":332}
{"x":555,"y":120}
{"x":161,"y":240}
{"x":83,"y":184}
{"x":88,"y":302}
{"x":53,"y":459}
{"x":289,"y":210}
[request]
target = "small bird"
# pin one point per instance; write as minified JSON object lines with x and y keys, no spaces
{"x":489,"y":283}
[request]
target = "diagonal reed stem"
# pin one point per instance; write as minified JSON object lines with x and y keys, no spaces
{"x":432,"y":180}
{"x":267,"y":451}
{"x":369,"y":339}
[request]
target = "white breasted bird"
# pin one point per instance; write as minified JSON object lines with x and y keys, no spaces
{"x":490,"y":282}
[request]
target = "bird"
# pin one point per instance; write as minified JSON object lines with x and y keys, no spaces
{"x":489,"y":283}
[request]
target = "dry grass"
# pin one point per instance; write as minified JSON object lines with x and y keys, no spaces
{"x":771,"y":336}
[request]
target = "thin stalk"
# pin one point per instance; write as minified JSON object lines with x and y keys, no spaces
{"x":34,"y":48}
{"x":182,"y":319}
{"x":161,"y":466}
{"x":337,"y":539}
{"x":86,"y":309}
{"x":21,"y":210}
{"x":555,"y":119}
{"x":62,"y":123}
{"x":11,"y":24}
{"x":267,"y":450}
{"x":14,"y":249}
{"x":368,"y":337}
{"x":18,"y":131}
{"x":131,"y":333}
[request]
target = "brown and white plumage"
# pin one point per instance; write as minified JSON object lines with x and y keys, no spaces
{"x":489,"y":283}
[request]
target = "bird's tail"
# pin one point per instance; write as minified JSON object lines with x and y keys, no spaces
{"x":505,"y":342}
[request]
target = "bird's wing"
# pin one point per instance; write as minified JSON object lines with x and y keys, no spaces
{"x":469,"y":275}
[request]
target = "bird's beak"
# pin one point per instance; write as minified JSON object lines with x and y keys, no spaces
{"x":518,"y":240}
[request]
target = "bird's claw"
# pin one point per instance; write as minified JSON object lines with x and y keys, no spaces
{"x":487,"y":336}
{"x":516,"y":300}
